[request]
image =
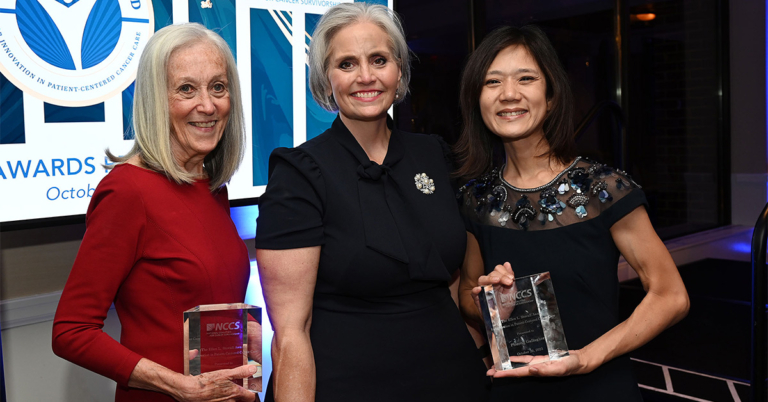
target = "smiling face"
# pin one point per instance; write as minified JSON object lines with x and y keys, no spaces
{"x":198,"y":95}
{"x":363,"y":72}
{"x":513,"y":101}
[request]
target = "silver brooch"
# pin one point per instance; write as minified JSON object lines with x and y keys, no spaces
{"x":424,"y":183}
{"x":206,"y":4}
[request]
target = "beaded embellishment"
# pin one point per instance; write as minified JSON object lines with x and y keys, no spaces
{"x":550,"y":206}
{"x":523,"y":213}
{"x":496,"y":196}
{"x":580,"y":180}
{"x":600,"y":189}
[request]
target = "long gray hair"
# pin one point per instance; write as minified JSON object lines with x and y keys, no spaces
{"x":151,"y":116}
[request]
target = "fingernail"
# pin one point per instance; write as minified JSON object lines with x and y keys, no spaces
{"x":252,"y":370}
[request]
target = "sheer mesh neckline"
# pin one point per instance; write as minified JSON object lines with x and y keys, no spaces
{"x":579,"y":193}
{"x":539,"y":188}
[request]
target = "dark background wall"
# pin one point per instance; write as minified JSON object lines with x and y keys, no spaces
{"x":671,"y":75}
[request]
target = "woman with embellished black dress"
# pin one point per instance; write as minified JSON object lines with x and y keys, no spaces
{"x":544,"y":209}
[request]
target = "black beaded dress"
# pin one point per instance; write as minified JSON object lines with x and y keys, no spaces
{"x":384,"y":325}
{"x":562,"y":227}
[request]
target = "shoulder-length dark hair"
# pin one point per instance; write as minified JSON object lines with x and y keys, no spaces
{"x":477,"y":146}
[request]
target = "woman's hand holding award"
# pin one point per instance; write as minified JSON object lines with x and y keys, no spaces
{"x":223,"y":336}
{"x":523,"y":322}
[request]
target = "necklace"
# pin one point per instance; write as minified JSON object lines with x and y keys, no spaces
{"x":539,"y":188}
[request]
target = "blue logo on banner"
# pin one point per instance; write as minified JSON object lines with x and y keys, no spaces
{"x":102,"y":30}
{"x":100,"y":34}
{"x":74,"y":52}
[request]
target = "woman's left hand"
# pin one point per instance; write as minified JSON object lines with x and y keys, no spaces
{"x":569,"y":365}
{"x":212,"y":386}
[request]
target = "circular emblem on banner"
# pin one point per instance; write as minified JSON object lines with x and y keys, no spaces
{"x":74,"y":52}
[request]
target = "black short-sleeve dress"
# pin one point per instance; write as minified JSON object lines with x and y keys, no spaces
{"x":562,"y":227}
{"x":384,"y":326}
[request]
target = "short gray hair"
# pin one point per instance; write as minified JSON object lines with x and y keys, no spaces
{"x":341,"y":16}
{"x":151,"y":116}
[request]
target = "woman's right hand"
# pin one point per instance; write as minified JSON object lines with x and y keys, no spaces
{"x":501,"y":275}
{"x":216,"y":386}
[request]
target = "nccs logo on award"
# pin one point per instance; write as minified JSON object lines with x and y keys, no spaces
{"x":73,"y":52}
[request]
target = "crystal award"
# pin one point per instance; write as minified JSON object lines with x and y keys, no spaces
{"x":223,"y":336}
{"x":523,"y":322}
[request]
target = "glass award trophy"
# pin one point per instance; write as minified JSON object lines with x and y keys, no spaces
{"x":223,"y":336}
{"x":523,"y":322}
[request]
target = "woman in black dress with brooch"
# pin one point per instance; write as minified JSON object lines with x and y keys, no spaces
{"x":544,"y":209}
{"x":359,"y":237}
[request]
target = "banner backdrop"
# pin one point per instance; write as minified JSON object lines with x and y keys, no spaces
{"x":66,"y":88}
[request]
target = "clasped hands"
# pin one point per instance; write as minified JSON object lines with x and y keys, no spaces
{"x":569,"y":365}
